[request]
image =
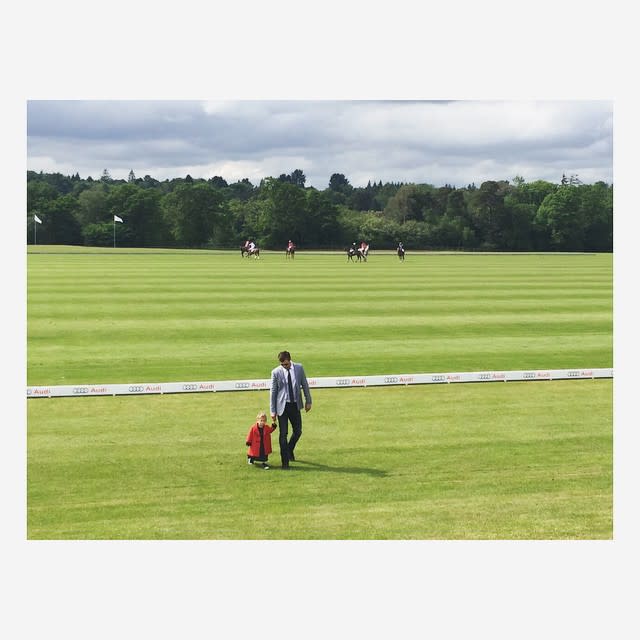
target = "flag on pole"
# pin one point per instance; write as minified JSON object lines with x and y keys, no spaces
{"x":117,"y":219}
{"x":35,"y":217}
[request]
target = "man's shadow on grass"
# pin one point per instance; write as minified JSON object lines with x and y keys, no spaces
{"x":316,"y":466}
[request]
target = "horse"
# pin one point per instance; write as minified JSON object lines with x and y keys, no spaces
{"x":400,"y":251}
{"x":356,"y":253}
{"x":245,"y":250}
{"x":291,"y":252}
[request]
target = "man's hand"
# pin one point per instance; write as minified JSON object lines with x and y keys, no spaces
{"x":307,"y":407}
{"x":273,"y":417}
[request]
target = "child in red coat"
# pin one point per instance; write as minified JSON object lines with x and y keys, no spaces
{"x":259,"y":441}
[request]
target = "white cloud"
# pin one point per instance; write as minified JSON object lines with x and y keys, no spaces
{"x":455,"y":142}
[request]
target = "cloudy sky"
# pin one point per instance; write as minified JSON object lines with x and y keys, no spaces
{"x":435,"y":142}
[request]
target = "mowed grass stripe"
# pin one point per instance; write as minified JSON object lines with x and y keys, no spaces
{"x":95,"y":366}
{"x":101,"y":317}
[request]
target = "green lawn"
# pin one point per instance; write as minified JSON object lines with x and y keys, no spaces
{"x":159,"y":316}
{"x":526,"y":460}
{"x":519,"y":460}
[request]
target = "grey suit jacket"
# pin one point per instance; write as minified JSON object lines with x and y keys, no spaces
{"x":279,"y":388}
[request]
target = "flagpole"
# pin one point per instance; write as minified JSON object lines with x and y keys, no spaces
{"x":35,"y":231}
{"x":114,"y":232}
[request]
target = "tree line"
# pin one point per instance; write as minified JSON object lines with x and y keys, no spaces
{"x":185,"y":212}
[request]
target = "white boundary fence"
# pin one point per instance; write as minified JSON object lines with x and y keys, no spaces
{"x":145,"y":388}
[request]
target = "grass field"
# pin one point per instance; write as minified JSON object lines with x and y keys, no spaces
{"x":144,"y":317}
{"x":477,"y":461}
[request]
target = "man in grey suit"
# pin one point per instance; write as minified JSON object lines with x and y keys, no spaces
{"x":287,"y":381}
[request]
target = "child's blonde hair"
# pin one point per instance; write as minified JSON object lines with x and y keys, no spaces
{"x":262,"y":413}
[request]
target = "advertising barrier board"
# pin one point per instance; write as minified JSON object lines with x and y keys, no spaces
{"x":342,"y":382}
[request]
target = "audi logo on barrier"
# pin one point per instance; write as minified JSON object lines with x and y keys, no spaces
{"x":189,"y":387}
{"x":243,"y":385}
{"x":528,"y":375}
{"x":343,"y":382}
{"x":136,"y":388}
{"x":484,"y":376}
{"x":41,"y":392}
{"x":80,"y":390}
{"x":439,"y":378}
{"x":391,"y":379}
{"x":573,"y":374}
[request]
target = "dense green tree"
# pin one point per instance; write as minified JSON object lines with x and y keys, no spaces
{"x":100,"y":234}
{"x":142,"y":212}
{"x":59,"y":222}
{"x":149,"y":182}
{"x":339,"y":182}
{"x":194,"y":212}
{"x":407,"y":204}
{"x":540,"y":215}
{"x":560,"y":213}
{"x":456,"y":206}
{"x":383,"y":192}
{"x":61,"y":184}
{"x":218,"y":182}
{"x":298,"y":178}
{"x":533,"y":192}
{"x":378,"y":231}
{"x":283,"y":215}
{"x":350,"y":223}
{"x":241,"y":190}
{"x":244,"y":217}
{"x":447,"y":234}
{"x":339,"y":189}
{"x":488,"y":214}
{"x":412,"y":234}
{"x":39,"y":194}
{"x":92,"y":204}
{"x":596,"y":208}
{"x":362,"y":199}
{"x":321,"y":225}
{"x":517,"y":232}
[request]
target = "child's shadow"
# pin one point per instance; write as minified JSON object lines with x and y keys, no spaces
{"x":315,"y":466}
